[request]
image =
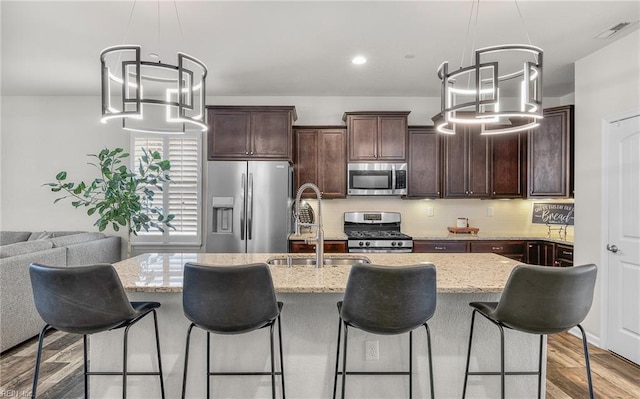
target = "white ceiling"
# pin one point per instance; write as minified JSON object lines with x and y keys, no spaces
{"x":295,"y":48}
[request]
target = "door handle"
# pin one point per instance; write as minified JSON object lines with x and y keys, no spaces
{"x":250,"y":207}
{"x":613,"y":248}
{"x":242,"y":184}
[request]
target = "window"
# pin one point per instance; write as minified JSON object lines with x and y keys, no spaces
{"x":180,"y":197}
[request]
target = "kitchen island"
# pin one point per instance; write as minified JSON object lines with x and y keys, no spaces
{"x":310,"y":324}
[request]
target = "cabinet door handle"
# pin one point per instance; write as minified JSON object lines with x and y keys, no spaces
{"x":251,"y":152}
{"x":440,"y":248}
{"x":497,"y":248}
{"x":246,"y":153}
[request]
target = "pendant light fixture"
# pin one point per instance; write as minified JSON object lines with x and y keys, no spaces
{"x":501,"y":91}
{"x":153,"y":96}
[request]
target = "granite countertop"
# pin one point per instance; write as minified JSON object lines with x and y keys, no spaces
{"x":456,"y":273}
{"x":447,"y":237}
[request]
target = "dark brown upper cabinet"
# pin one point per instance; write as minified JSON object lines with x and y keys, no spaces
{"x":466,"y":164}
{"x":424,"y":162}
{"x":507,"y":165}
{"x":550,"y":155}
{"x":376,"y":136}
{"x":321,"y":158}
{"x":238,"y":132}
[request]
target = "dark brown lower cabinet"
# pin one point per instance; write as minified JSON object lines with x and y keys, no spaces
{"x":563,"y":255}
{"x":549,"y":254}
{"x":510,"y":249}
{"x":439,"y":246}
{"x":332,"y":246}
{"x":540,"y":253}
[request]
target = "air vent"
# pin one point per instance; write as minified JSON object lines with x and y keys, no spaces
{"x":612,"y":31}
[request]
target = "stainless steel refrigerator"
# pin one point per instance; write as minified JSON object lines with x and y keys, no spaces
{"x":248,"y":206}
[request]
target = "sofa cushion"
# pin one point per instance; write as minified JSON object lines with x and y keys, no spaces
{"x":24,"y":247}
{"x":40,"y":235}
{"x":75,"y":239}
{"x":11,"y":237}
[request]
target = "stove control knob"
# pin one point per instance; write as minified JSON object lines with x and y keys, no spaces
{"x":360,"y":243}
{"x":399,"y":243}
{"x":393,"y":243}
{"x":368,"y":243}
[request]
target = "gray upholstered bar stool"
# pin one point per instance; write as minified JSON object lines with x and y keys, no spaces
{"x":231,"y":300}
{"x":387,"y":300}
{"x":87,"y":300}
{"x":538,"y":300}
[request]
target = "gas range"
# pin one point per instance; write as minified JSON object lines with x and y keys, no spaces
{"x":375,"y":232}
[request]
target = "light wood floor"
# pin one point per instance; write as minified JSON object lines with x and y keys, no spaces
{"x":61,"y":370}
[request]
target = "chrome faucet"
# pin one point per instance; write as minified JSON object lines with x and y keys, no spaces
{"x":319,"y":238}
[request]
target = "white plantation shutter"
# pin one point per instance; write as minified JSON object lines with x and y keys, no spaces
{"x":181,"y":196}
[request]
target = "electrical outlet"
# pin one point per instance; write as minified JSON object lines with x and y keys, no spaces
{"x":490,"y":211}
{"x":430,"y":211}
{"x":371,"y":350}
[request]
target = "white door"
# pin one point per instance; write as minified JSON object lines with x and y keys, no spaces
{"x":624,"y":239}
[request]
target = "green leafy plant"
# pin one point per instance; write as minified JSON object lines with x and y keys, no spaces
{"x":120,"y":197}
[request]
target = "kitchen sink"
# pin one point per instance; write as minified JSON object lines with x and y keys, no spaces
{"x":311,"y":261}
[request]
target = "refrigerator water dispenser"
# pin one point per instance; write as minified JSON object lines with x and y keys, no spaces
{"x":222,"y":212}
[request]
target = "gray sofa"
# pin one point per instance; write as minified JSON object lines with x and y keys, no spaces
{"x":19,"y":319}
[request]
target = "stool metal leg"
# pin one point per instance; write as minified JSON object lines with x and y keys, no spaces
{"x":85,"y":361}
{"x":540,"y":367}
{"x":208,"y":365}
{"x":155,"y":324}
{"x":38,"y":358}
{"x":273,"y":366}
{"x":186,"y":361}
{"x":344,"y":361}
{"x":501,"y":361}
{"x":466,"y":373}
{"x":431,"y":387}
{"x":410,"y":364}
{"x":335,"y":377}
{"x":585,"y":346}
{"x":124,"y":362}
{"x":281,"y":357}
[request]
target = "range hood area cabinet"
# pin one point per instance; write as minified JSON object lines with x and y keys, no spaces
{"x":250,"y":133}
{"x":467,"y":164}
{"x":551,"y":155}
{"x":321,"y":159}
{"x":377,"y":136}
{"x":466,"y":158}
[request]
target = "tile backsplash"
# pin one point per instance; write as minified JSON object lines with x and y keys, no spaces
{"x":508,"y":216}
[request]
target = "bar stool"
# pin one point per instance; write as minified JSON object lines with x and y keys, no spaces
{"x":87,"y":300}
{"x":539,"y":300}
{"x":387,"y":300}
{"x":231,"y":300}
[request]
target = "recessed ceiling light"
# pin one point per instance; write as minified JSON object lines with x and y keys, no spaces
{"x":154,"y":56}
{"x":359,"y":60}
{"x":409,"y":56}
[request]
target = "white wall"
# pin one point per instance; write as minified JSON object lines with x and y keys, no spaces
{"x":40,"y":137}
{"x":607,"y":83}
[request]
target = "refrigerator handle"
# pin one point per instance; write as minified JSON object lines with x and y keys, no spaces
{"x":242,"y":184}
{"x":250,"y":207}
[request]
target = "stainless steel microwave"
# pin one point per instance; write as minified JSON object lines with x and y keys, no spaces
{"x":377,"y":178}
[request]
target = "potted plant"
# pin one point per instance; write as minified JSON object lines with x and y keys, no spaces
{"x":119,"y":196}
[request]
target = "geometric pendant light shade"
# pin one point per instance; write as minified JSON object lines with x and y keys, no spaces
{"x":501,"y":91}
{"x":151,"y":96}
